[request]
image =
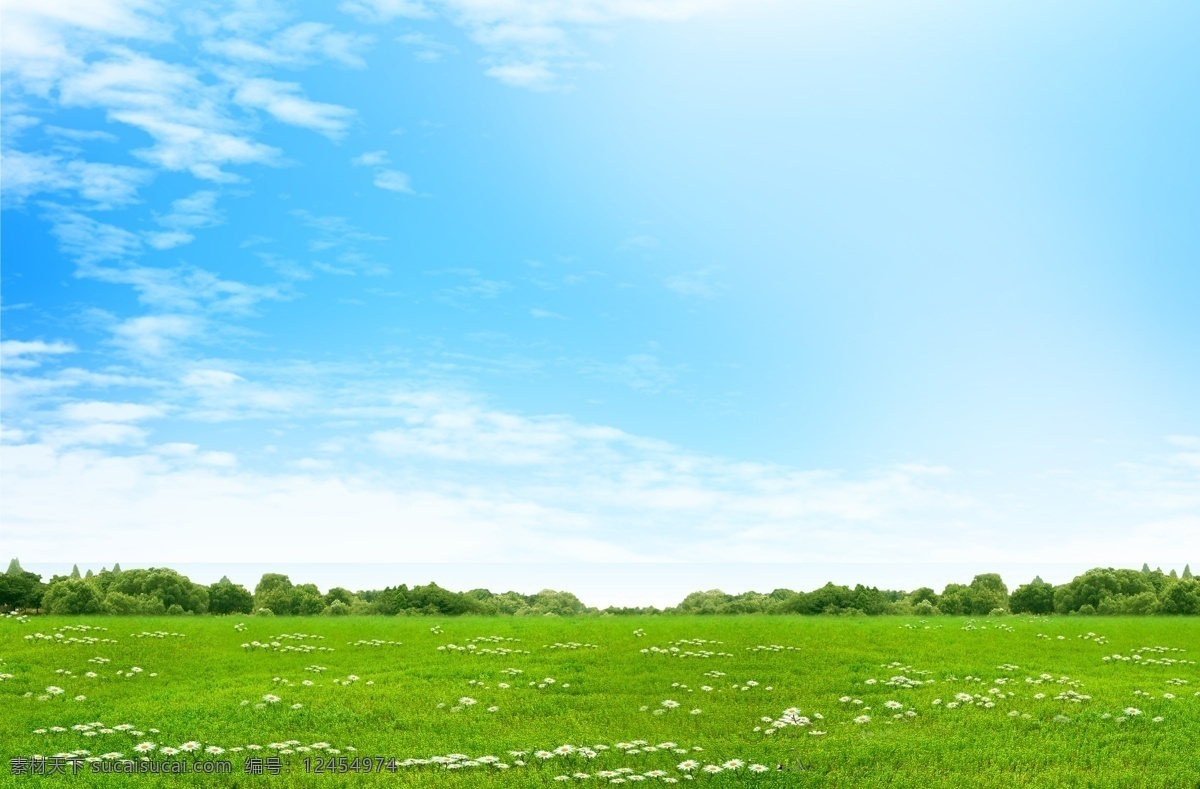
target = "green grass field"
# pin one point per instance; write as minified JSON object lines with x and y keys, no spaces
{"x":1023,"y":702}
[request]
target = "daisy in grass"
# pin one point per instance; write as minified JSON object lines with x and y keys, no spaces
{"x":688,"y":765}
{"x":893,"y":705}
{"x":144,"y":747}
{"x":168,"y":751}
{"x":271,"y":698}
{"x":712,"y":768}
{"x":190,"y":746}
{"x":214,"y":750}
{"x":863,"y":719}
{"x":669,"y":704}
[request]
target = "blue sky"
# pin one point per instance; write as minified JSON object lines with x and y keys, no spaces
{"x":605,"y":281}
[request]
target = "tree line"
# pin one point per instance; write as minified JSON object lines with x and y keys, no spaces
{"x":156,"y":591}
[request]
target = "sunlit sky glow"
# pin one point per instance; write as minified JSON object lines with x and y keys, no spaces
{"x":548,"y":281}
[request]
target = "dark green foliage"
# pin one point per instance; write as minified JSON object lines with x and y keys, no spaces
{"x":924,"y":593}
{"x":1035,"y":597}
{"x":1182,"y":598}
{"x":226,"y":597}
{"x":161,"y":583}
{"x":337,"y":593}
{"x":72,"y":596}
{"x":20,"y":589}
{"x":1098,"y":584}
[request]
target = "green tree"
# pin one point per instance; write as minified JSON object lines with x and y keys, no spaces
{"x":165,"y":584}
{"x":307,"y":600}
{"x":1182,"y":598}
{"x":72,"y":596}
{"x":1035,"y":597}
{"x":226,"y":597}
{"x":924,"y":593}
{"x":1093,"y":586}
{"x":274,"y":593}
{"x":957,"y":600}
{"x":338,"y":593}
{"x":1187,"y":572}
{"x":75,"y":572}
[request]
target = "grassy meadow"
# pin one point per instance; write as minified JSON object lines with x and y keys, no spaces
{"x":1004,"y":702}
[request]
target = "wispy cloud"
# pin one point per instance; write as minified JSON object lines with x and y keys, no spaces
{"x":530,"y":44}
{"x":393,"y":181}
{"x":26,"y":354}
{"x":473,"y":285}
{"x":286,"y":102}
{"x":426,"y":48}
{"x":370,"y":159}
{"x":641,"y":371}
{"x":296,"y":46}
{"x":196,"y":211}
{"x":697,"y":284}
{"x":104,"y":186}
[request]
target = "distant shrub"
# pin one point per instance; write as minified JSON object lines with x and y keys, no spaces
{"x":925,"y":608}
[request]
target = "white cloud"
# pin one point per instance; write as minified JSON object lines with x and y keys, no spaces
{"x":285,"y":101}
{"x":99,"y":433}
{"x":535,"y":75}
{"x":23,"y":354}
{"x":531,"y":41}
{"x":299,"y":45}
{"x":212,"y":379}
{"x":100,"y":411}
{"x":384,"y":10}
{"x":186,"y":117}
{"x":694,"y":284}
{"x":103,"y":185}
{"x":81,"y":135}
{"x":393,"y":181}
{"x":540,"y":313}
{"x":155,"y":335}
{"x":196,"y":211}
{"x":44,"y":41}
{"x":427,"y":48}
{"x":90,"y":242}
{"x":370,"y":159}
{"x":641,"y":371}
